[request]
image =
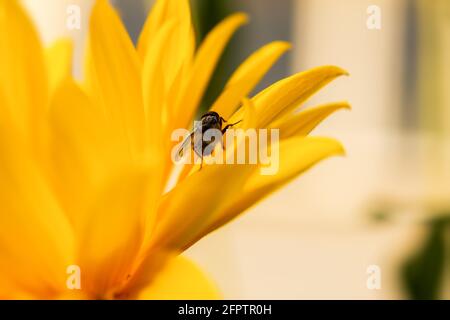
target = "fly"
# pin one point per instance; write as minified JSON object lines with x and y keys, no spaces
{"x":210,"y":120}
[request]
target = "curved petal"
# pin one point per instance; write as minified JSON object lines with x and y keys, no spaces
{"x":59,"y":62}
{"x":204,"y":63}
{"x":180,"y":46}
{"x":184,"y":209}
{"x":285,"y":95}
{"x":155,"y":104}
{"x":157,"y":17}
{"x":162,"y":12}
{"x":36,"y":239}
{"x":297,"y":154}
{"x":305,"y":121}
{"x":153,"y":87}
{"x":179,"y":279}
{"x":116,"y":69}
{"x":85,"y":147}
{"x":263,"y":59}
{"x":22,"y":69}
{"x":247,"y":76}
{"x":110,"y":233}
{"x":249,"y":120}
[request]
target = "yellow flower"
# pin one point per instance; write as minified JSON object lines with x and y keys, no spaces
{"x":84,"y":167}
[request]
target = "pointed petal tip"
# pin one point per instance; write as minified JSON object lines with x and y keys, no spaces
{"x":336,"y":70}
{"x":331,"y":70}
{"x":343,"y":72}
{"x":333,"y":146}
{"x":283,"y":45}
{"x":341,"y":151}
{"x":240,"y":18}
{"x":336,"y":105}
{"x":346,"y":105}
{"x":337,"y":148}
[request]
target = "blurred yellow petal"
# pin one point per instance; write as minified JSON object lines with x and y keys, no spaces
{"x":180,"y":279}
{"x":22,"y":69}
{"x":285,"y":95}
{"x":159,"y":14}
{"x":154,"y":94}
{"x":249,"y":120}
{"x":247,"y":76}
{"x":85,"y":147}
{"x":179,"y":48}
{"x":216,"y":182}
{"x":110,"y":233}
{"x":153,"y":88}
{"x":36,"y":239}
{"x":304,"y":122}
{"x":263,"y":59}
{"x":296,"y":155}
{"x":204,"y":63}
{"x":117,"y":72}
{"x":59,"y":62}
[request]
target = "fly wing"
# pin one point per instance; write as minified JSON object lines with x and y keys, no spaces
{"x":187,"y":143}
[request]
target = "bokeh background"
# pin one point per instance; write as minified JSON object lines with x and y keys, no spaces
{"x":387,"y":203}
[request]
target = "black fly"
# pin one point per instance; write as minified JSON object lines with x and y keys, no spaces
{"x":210,"y":120}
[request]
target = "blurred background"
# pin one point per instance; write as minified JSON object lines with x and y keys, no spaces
{"x":387,"y":203}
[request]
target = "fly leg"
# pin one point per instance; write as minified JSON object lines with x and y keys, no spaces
{"x":201,"y":163}
{"x":228,"y":126}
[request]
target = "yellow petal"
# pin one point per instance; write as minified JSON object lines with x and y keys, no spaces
{"x":22,"y":69}
{"x":203,"y":67}
{"x":297,"y":155}
{"x":154,"y":92}
{"x":36,"y":239}
{"x":110,"y":233}
{"x":247,"y":76}
{"x":85,"y":147}
{"x":184,"y":209}
{"x":157,"y":17}
{"x":249,"y":120}
{"x":155,"y":104}
{"x":59,"y":62}
{"x":180,"y":279}
{"x":179,"y":48}
{"x":117,"y":72}
{"x":304,"y":122}
{"x":285,"y":95}
{"x":263,"y":59}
